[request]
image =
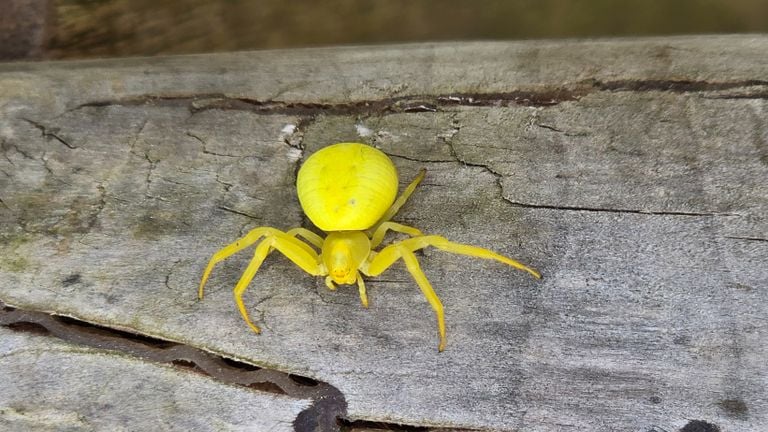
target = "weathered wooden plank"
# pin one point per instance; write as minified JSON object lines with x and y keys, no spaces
{"x":632,"y":173}
{"x":49,"y":385}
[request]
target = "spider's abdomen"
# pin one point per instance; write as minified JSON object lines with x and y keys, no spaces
{"x":346,"y":186}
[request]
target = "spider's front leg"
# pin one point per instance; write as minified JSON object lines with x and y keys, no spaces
{"x":379,"y":263}
{"x":404,"y":249}
{"x":297,"y":251}
{"x":249,"y":239}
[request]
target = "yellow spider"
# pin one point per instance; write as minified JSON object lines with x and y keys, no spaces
{"x":348,"y":190}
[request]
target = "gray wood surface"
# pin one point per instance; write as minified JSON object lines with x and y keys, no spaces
{"x":49,"y":385}
{"x":632,"y":173}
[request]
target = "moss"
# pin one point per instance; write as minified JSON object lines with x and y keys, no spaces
{"x":14,"y":264}
{"x":10,"y":260}
{"x":154,"y":225}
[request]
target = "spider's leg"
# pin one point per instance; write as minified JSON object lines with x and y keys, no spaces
{"x":361,"y":288}
{"x":308,"y":235}
{"x":393,"y":209}
{"x":252,"y":237}
{"x":404,"y":249}
{"x":262,"y":250}
{"x":388,"y":256}
{"x":291,"y":248}
{"x":329,"y":283}
{"x":413,"y":267}
{"x":381,"y":231}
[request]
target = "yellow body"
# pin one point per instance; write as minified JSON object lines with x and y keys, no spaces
{"x":348,"y":190}
{"x":346,"y":187}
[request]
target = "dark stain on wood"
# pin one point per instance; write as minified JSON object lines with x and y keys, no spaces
{"x":734,"y":407}
{"x":700,"y":426}
{"x":72,"y":279}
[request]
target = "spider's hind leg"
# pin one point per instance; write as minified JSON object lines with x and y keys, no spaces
{"x":388,"y":256}
{"x":381,"y":231}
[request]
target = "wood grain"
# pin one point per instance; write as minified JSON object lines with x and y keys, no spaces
{"x":630,"y":172}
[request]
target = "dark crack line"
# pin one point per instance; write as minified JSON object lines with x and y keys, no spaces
{"x":42,"y":159}
{"x":318,"y":288}
{"x":757,"y":239}
{"x":47,"y":133}
{"x":227,"y":186}
{"x":539,"y":96}
{"x":756,"y":95}
{"x":167,"y":280}
{"x":7,"y":145}
{"x":152,"y":164}
{"x":176,"y":182}
{"x":148,"y":179}
{"x":402,"y":104}
{"x":287,"y":142}
{"x":676,"y":86}
{"x":487,"y":168}
{"x":413,"y":159}
{"x":325,"y":412}
{"x":4,"y":146}
{"x":263,"y":312}
{"x":611,"y":210}
{"x":138,"y":136}
{"x":500,"y":177}
{"x":552,"y":128}
{"x":373,"y":426}
{"x":204,"y":145}
{"x":238,"y":212}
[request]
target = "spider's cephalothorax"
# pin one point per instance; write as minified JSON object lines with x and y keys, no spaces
{"x":348,"y":190}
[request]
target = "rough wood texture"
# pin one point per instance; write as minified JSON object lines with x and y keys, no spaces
{"x":53,"y":386}
{"x":632,"y":173}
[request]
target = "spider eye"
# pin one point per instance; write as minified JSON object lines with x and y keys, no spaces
{"x":340,"y":273}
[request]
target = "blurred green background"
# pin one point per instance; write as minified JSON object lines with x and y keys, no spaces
{"x":108,"y":28}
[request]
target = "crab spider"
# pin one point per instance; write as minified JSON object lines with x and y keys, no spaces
{"x":348,"y":190}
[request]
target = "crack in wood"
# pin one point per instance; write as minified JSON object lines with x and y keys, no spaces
{"x":676,"y":86}
{"x":615,"y":210}
{"x":539,"y":96}
{"x":238,"y":212}
{"x":757,"y":239}
{"x":499,"y":178}
{"x":204,"y":145}
{"x":752,"y":95}
{"x":5,"y":146}
{"x":324,"y":414}
{"x":47,"y":132}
